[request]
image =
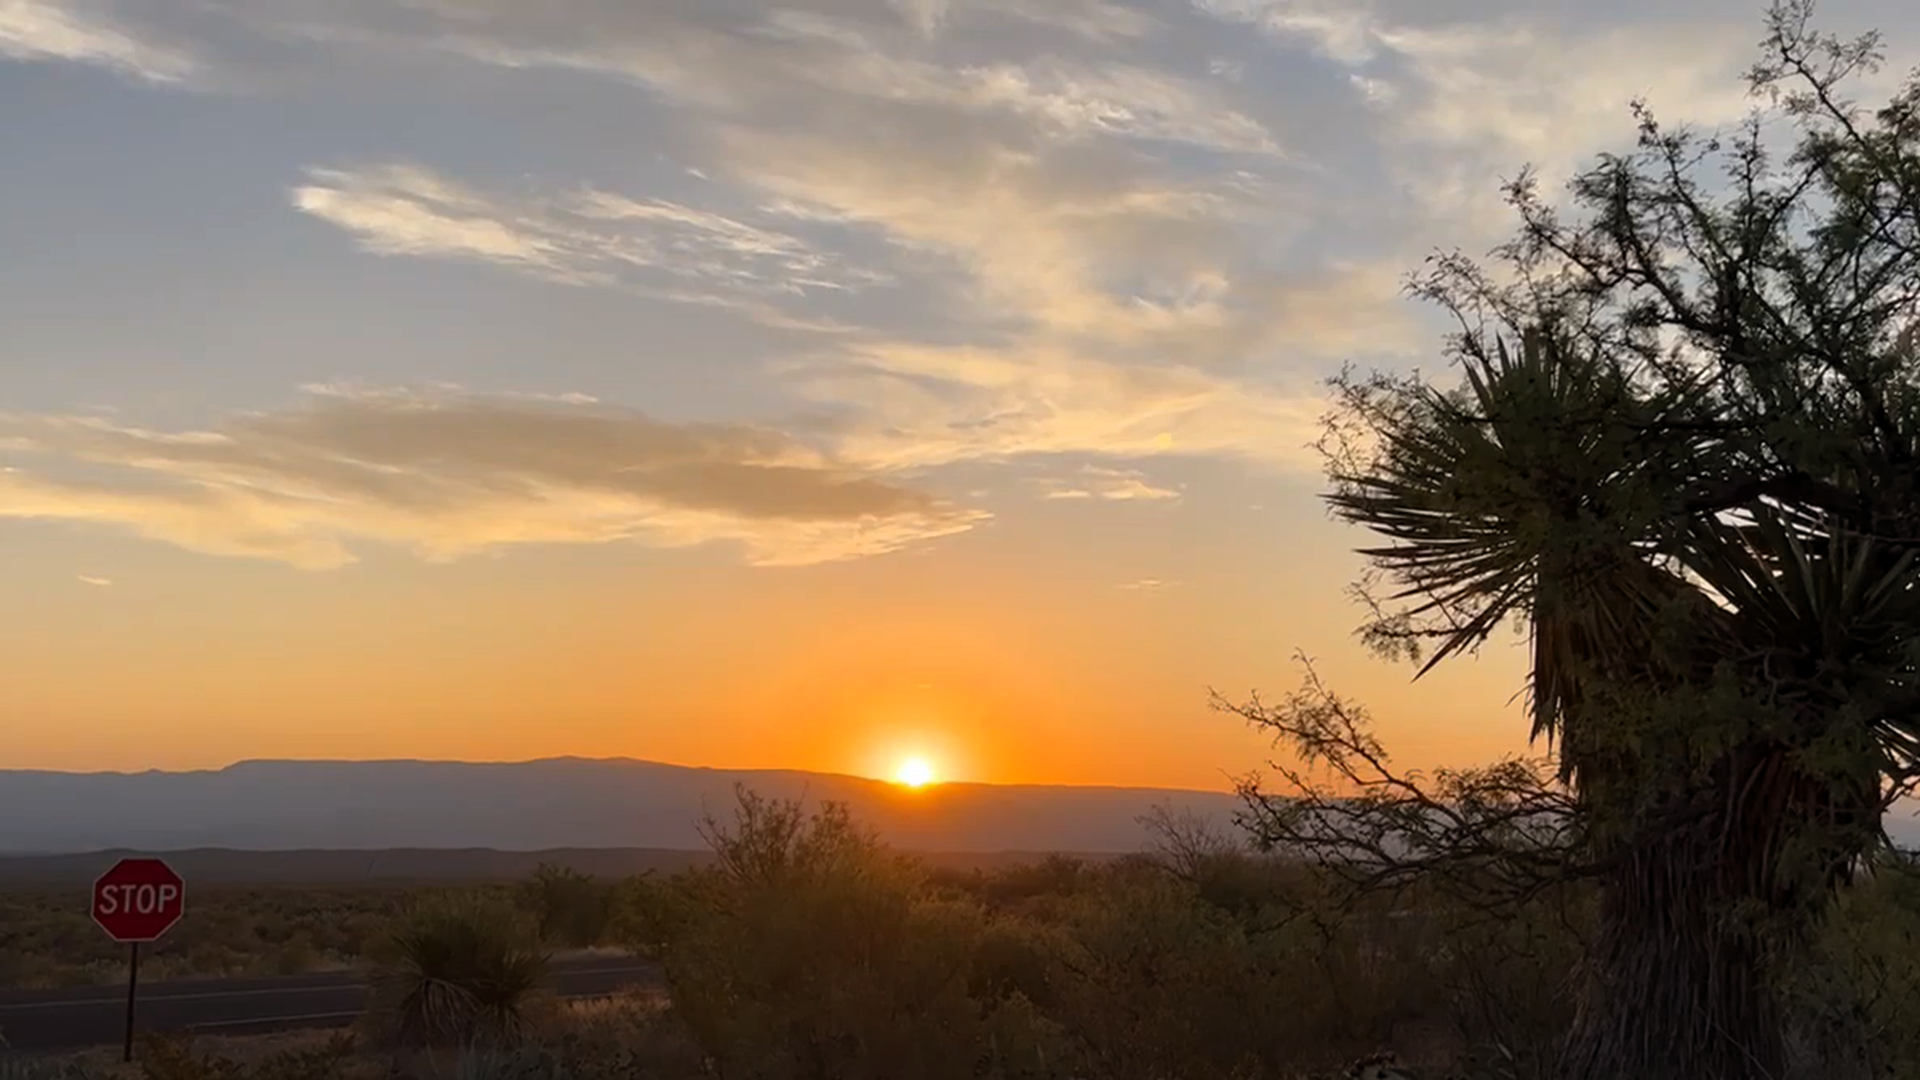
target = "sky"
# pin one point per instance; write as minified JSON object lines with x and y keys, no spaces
{"x":810,"y":385}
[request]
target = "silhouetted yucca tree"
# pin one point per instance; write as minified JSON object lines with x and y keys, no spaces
{"x":1684,"y":457}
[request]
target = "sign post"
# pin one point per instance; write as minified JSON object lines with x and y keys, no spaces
{"x":137,"y":901}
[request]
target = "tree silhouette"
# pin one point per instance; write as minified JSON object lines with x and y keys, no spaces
{"x":1685,"y":460}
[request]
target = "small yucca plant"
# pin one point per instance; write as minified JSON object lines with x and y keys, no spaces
{"x":457,"y":973}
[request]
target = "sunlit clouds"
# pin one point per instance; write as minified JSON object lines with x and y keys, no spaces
{"x":583,"y":236}
{"x":1114,"y":485}
{"x":993,"y":231}
{"x":449,"y":474}
{"x":57,"y":30}
{"x":816,"y":381}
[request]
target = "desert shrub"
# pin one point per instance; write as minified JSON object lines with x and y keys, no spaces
{"x":296,"y":954}
{"x":493,"y":1062}
{"x":40,"y":1069}
{"x":1054,"y":876}
{"x":46,"y":938}
{"x":176,"y":1057}
{"x":1155,"y":984}
{"x":1023,"y":1042}
{"x":811,"y":952}
{"x":627,"y":1035}
{"x":1508,"y":978}
{"x":457,"y":971}
{"x":572,"y":909}
{"x":1865,"y":968}
{"x":1016,"y":956}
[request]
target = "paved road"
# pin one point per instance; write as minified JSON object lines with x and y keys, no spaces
{"x":79,"y":1017}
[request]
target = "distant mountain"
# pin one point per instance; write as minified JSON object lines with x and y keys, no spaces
{"x":537,"y":805}
{"x":204,"y":867}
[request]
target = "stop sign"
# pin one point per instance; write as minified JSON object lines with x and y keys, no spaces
{"x":138,"y":900}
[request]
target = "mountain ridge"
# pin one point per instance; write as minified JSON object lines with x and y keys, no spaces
{"x":566,"y":759}
{"x":404,"y":867}
{"x":543,"y":803}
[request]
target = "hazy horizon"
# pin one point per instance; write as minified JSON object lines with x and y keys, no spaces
{"x":563,"y":803}
{"x":820,"y":385}
{"x":608,"y":760}
{"x":549,"y":804}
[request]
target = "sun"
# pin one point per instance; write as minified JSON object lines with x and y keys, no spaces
{"x":914,"y":772}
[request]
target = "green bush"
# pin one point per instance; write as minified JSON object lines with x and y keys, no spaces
{"x":1156,"y":984}
{"x":1865,"y":969}
{"x":572,"y":909}
{"x":810,"y":952}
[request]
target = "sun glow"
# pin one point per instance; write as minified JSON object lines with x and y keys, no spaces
{"x":914,"y":772}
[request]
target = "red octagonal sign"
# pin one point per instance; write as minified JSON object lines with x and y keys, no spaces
{"x":138,"y":900}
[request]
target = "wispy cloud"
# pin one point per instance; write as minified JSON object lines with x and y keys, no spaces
{"x":1097,"y":20}
{"x":1051,"y":230}
{"x":1148,"y":585}
{"x":65,"y":30}
{"x":402,"y":210}
{"x":740,"y":58}
{"x":1110,"y":485}
{"x":450,"y":474}
{"x":1093,"y":287}
{"x":1464,"y":97}
{"x":923,"y":406}
{"x":583,"y":236}
{"x":88,"y":579}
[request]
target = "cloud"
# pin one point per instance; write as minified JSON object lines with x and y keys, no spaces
{"x":450,"y":474}
{"x":64,"y":30}
{"x":1467,"y":96}
{"x":400,"y":210}
{"x":1042,"y":177}
{"x":1052,"y":230}
{"x":1094,"y":19}
{"x":584,"y":236}
{"x":775,"y":58}
{"x":910,"y":407}
{"x":1111,"y":485}
{"x":1148,"y":585}
{"x":1094,"y":246}
{"x":98,"y":582}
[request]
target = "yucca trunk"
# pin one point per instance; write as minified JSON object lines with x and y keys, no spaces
{"x":1682,"y":981}
{"x":1675,"y":990}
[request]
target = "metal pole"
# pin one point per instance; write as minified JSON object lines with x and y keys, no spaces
{"x":133,"y":981}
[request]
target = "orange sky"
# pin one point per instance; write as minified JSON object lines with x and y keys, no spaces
{"x":1010,"y":656}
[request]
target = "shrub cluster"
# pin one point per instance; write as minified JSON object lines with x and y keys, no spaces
{"x":808,"y":950}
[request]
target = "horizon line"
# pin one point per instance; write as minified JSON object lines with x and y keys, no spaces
{"x":583,"y":759}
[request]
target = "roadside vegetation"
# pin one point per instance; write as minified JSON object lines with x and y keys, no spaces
{"x":48,"y":940}
{"x":809,"y":950}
